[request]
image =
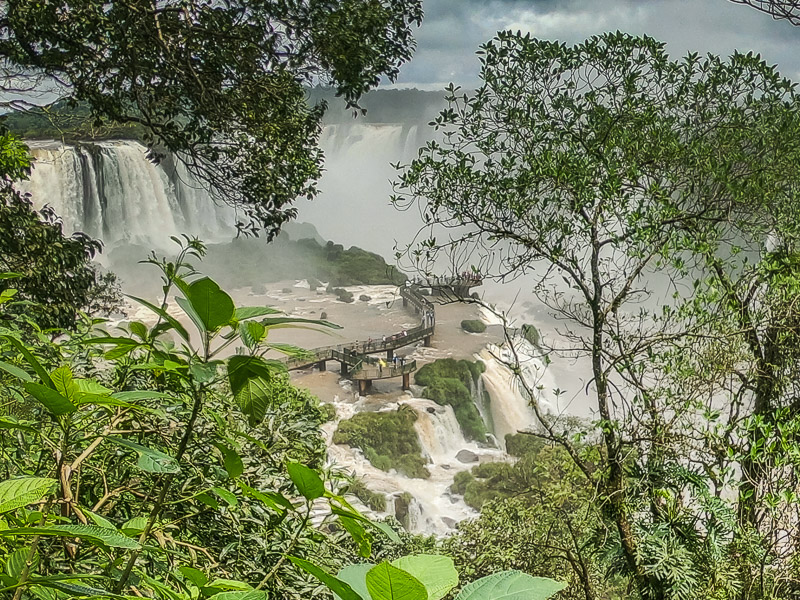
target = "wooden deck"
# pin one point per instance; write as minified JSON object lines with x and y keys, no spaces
{"x":355,"y":358}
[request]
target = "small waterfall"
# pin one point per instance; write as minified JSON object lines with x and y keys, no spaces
{"x":509,"y":410}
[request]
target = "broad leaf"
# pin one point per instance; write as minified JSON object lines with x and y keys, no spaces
{"x":356,"y":577}
{"x":359,"y":535}
{"x":16,"y":562}
{"x":229,"y":498}
{"x":75,"y":590}
{"x":242,"y":595}
{"x":98,"y":535}
{"x":251,"y":333}
{"x":51,"y":399}
{"x":15,"y":493}
{"x":196,"y":576}
{"x":386,"y":582}
{"x":98,"y":520}
{"x":231,"y":460}
{"x":437,"y":573}
{"x":152,"y":461}
{"x":63,"y":383}
{"x":12,"y":423}
{"x":134,"y":527}
{"x":15,"y":371}
{"x":337,"y":586}
{"x":307,"y":481}
{"x":511,"y":585}
{"x":274,"y":500}
{"x":90,"y":386}
{"x":250,"y":378}
{"x":214,"y":307}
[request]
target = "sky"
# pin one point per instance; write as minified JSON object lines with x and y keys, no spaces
{"x":454,"y":29}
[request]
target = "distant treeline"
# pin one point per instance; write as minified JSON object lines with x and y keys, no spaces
{"x":72,"y":122}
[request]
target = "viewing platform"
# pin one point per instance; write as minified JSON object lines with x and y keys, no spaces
{"x":355,"y":358}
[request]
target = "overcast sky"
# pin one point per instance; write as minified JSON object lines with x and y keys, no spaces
{"x":453,"y":30}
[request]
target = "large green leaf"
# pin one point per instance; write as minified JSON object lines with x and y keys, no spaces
{"x":356,"y":577}
{"x":241,"y":595}
{"x":387,"y":582}
{"x":251,"y":333}
{"x":214,"y":307}
{"x":307,"y":481}
{"x":336,"y":585}
{"x":437,"y":573}
{"x":250,"y":378}
{"x":152,"y":461}
{"x":359,"y":535}
{"x":63,"y":382}
{"x":511,"y":585}
{"x":51,"y":399}
{"x":98,"y":535}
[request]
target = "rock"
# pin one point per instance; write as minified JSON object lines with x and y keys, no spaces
{"x":451,"y":523}
{"x":323,"y":315}
{"x":401,"y":505}
{"x":466,"y":456}
{"x":364,"y":298}
{"x":431,"y":410}
{"x":286,"y":290}
{"x":446,"y":467}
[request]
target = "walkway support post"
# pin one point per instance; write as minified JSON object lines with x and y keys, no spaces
{"x":406,"y":381}
{"x":322,"y":366}
{"x":364,"y":385}
{"x":343,"y":368}
{"x":427,"y":341}
{"x":389,"y":354}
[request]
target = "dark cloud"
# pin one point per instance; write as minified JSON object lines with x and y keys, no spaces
{"x":453,"y":30}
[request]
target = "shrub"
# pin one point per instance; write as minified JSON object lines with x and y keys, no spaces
{"x":388,"y":440}
{"x":473,"y":326}
{"x":328,"y":412}
{"x":374,"y":500}
{"x":530,"y":333}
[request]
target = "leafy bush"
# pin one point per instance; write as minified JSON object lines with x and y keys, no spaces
{"x":530,"y":333}
{"x":473,"y":326}
{"x":387,"y":439}
{"x":448,"y":382}
{"x":374,"y":500}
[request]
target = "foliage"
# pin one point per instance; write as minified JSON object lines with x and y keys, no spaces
{"x":57,"y":278}
{"x":388,"y":440}
{"x":430,"y":577}
{"x":587,"y":166}
{"x":473,"y":326}
{"x":128,"y":468}
{"x":195,"y":75}
{"x":530,"y":333}
{"x":449,"y":382}
{"x":373,"y":500}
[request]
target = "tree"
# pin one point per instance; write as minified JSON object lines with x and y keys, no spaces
{"x":779,"y":9}
{"x":628,"y":176}
{"x":56,"y":272}
{"x":220,"y":85}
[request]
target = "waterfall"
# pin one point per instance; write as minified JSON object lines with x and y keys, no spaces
{"x":110,"y":191}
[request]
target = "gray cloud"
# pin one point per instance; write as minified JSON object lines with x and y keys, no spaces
{"x":453,"y":30}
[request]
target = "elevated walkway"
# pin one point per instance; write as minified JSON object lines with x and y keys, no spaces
{"x":355,"y":358}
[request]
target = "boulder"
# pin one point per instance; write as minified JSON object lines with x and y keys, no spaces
{"x":467,"y":456}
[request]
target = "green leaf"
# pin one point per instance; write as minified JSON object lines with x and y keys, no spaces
{"x":63,"y":383}
{"x":51,"y":399}
{"x":214,"y":307}
{"x":274,"y":500}
{"x":337,"y":586}
{"x":359,"y":535}
{"x":10,"y":275}
{"x":276,"y":321}
{"x":98,"y":520}
{"x":173,"y":322}
{"x":203,"y":372}
{"x":99,"y":535}
{"x":134,"y":527}
{"x":307,"y":481}
{"x":250,"y":377}
{"x":231,"y":460}
{"x":15,"y":493}
{"x":152,"y":461}
{"x":12,"y":423}
{"x":248,"y":312}
{"x":511,"y":585}
{"x":74,"y":590}
{"x":15,"y":371}
{"x":196,"y":576}
{"x":186,"y":306}
{"x":251,"y":332}
{"x":356,"y":577}
{"x":227,"y":496}
{"x":90,"y":386}
{"x":16,"y":562}
{"x":133,"y":396}
{"x":437,"y":573}
{"x":243,"y":595}
{"x":139,"y":329}
{"x":40,"y":371}
{"x":386,"y":582}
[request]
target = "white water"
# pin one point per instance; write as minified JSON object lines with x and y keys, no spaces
{"x":110,"y":191}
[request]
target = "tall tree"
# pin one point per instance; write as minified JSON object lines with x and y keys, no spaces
{"x":779,"y":9}
{"x":627,"y":176}
{"x":219,"y":84}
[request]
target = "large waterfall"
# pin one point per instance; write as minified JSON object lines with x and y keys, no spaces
{"x":110,"y":190}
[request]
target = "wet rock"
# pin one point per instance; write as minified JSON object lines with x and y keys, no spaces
{"x":466,"y":456}
{"x":431,"y":410}
{"x":402,"y":502}
{"x":451,"y":523}
{"x":365,"y":298}
{"x":446,"y":467}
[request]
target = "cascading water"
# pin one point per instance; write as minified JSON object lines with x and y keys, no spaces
{"x":110,"y":191}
